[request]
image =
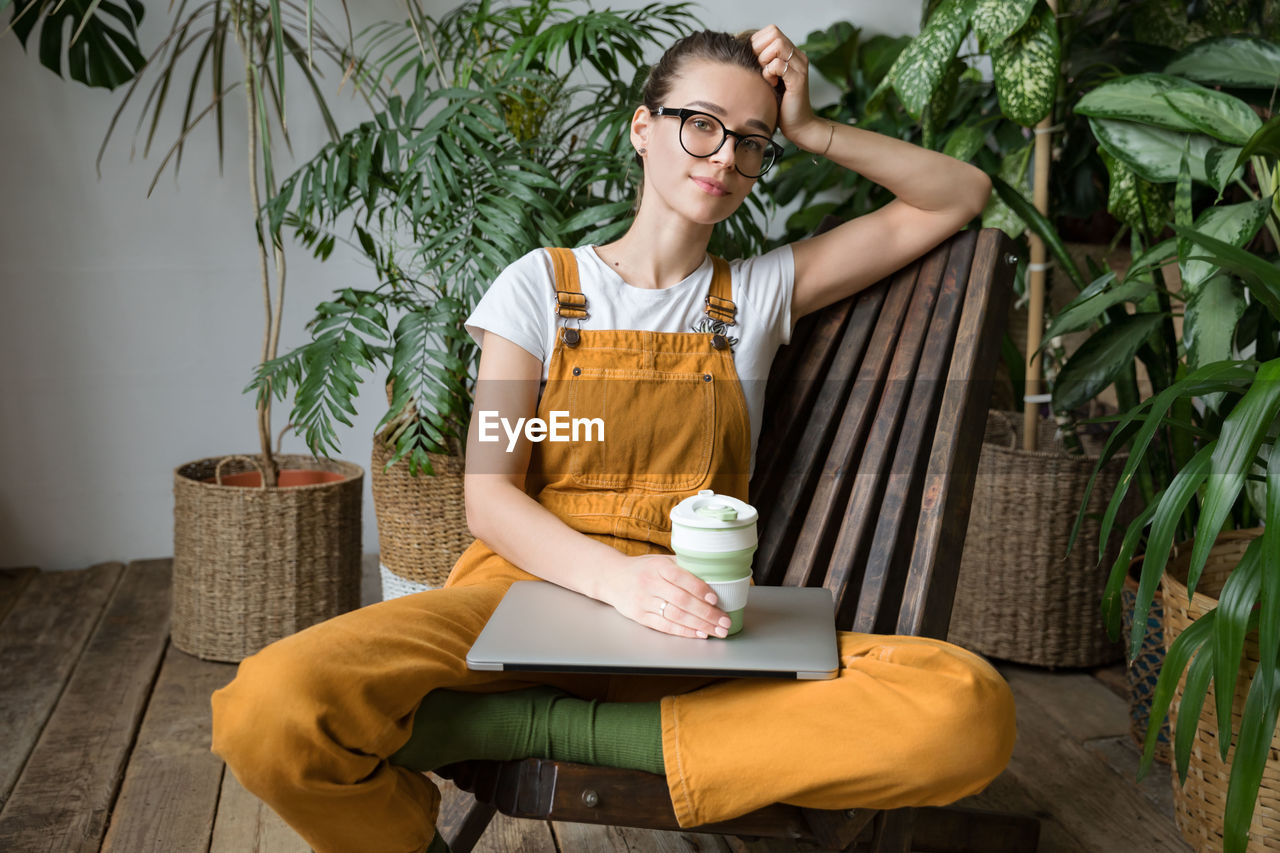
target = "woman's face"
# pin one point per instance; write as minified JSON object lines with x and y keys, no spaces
{"x":704,"y":190}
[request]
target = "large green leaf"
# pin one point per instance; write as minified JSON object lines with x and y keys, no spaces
{"x":103,"y":49}
{"x":1218,"y":114}
{"x":1094,"y":300}
{"x":1014,"y":172}
{"x":1147,"y":417}
{"x":1242,"y":434}
{"x":1100,"y":359}
{"x":1025,"y":69}
{"x":1253,"y":753}
{"x":1137,"y":203}
{"x":919,"y":68}
{"x":1210,"y":321}
{"x":1231,"y":61}
{"x":1194,"y":638}
{"x":1136,"y":98}
{"x":1017,"y":201}
{"x":1235,"y":224}
{"x":1154,"y":153}
{"x":1235,"y":607}
{"x":996,"y":20}
{"x":1265,"y":142}
{"x":1261,"y":277}
{"x":1164,"y":526}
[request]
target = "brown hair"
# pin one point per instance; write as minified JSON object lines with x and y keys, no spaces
{"x":730,"y":48}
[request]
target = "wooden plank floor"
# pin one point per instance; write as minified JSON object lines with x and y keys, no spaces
{"x":106,"y":743}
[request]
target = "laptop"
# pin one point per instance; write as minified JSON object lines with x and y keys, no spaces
{"x":789,"y":632}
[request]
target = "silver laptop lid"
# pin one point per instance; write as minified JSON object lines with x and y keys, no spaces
{"x":789,"y":632}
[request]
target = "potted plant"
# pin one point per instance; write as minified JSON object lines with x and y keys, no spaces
{"x":264,"y":545}
{"x":492,"y":95}
{"x":1204,"y":443}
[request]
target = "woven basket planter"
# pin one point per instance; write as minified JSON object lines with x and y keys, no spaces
{"x":1144,"y":671}
{"x":1200,"y":804}
{"x":253,"y":565}
{"x":422,"y":521}
{"x":1018,"y":596}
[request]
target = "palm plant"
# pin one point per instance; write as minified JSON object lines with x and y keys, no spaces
{"x":496,"y":148}
{"x":267,"y":35}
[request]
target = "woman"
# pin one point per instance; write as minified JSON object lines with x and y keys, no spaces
{"x":330,"y":726}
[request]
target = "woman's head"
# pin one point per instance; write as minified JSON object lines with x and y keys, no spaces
{"x":718,"y":75}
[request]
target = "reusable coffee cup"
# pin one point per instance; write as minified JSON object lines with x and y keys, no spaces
{"x":714,"y":537}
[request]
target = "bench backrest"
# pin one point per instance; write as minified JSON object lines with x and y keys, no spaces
{"x":874,"y":418}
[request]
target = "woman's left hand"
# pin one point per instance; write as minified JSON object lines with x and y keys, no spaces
{"x":780,"y":60}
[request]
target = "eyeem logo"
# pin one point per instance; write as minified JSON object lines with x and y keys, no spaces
{"x":560,"y":428}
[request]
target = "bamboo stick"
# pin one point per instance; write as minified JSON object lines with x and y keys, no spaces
{"x":1036,"y":273}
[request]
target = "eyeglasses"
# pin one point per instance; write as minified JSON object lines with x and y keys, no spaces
{"x":702,"y":135}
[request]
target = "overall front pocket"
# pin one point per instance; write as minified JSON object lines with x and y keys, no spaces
{"x":657,"y":427}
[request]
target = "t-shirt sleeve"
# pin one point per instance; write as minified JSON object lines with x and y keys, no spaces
{"x":768,"y":285}
{"x":517,"y":306}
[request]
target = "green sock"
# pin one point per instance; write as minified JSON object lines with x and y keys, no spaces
{"x":438,"y":845}
{"x":538,"y":722}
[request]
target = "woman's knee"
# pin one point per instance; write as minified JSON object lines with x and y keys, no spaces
{"x":975,"y":735}
{"x":259,"y":719}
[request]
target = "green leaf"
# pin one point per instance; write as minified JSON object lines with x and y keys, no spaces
{"x":101,"y":52}
{"x":1154,"y":153}
{"x":1232,"y":61}
{"x":1262,"y":278}
{"x":1164,"y":526}
{"x":1135,"y":202}
{"x":1036,"y":221}
{"x":1148,"y":416}
{"x":996,"y":20}
{"x":965,"y":141}
{"x":1094,"y":300}
{"x":1234,"y":224}
{"x":1264,"y":143}
{"x":919,"y":68}
{"x":1235,"y":607}
{"x":1175,"y":661}
{"x":1217,"y":114}
{"x":999,"y":212}
{"x":1242,"y":434}
{"x":1253,"y":750}
{"x":1025,"y":68}
{"x":1100,"y":359}
{"x":1209,"y":324}
{"x":1137,"y":98}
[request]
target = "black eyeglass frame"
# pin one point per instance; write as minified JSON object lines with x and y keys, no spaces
{"x":685,"y":114}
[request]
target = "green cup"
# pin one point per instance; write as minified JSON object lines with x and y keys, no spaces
{"x":714,"y":537}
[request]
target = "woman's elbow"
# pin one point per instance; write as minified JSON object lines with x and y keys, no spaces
{"x":981,"y":192}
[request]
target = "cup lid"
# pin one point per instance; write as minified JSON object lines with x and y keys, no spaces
{"x":708,"y":510}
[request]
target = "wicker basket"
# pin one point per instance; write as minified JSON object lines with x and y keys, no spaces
{"x":253,"y":565}
{"x":1017,"y":598}
{"x":1200,"y":803}
{"x":422,"y":521}
{"x":1144,"y":671}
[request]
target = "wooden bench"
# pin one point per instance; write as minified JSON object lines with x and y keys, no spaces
{"x":874,"y":418}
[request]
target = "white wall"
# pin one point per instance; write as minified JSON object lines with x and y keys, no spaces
{"x":129,"y":325}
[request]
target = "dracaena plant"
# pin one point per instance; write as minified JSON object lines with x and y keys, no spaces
{"x":1202,"y":446}
{"x":498,"y":146}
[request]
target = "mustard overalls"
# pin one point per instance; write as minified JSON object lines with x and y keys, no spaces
{"x":910,"y":721}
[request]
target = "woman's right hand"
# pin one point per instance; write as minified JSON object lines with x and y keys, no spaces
{"x":637,"y":587}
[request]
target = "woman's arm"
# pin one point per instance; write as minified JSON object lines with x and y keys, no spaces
{"x":518,"y":528}
{"x":937,"y":195}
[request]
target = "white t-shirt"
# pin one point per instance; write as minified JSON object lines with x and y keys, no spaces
{"x":520,"y":306}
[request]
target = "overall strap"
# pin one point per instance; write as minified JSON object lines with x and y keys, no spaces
{"x":719,"y":306}
{"x":570,"y":301}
